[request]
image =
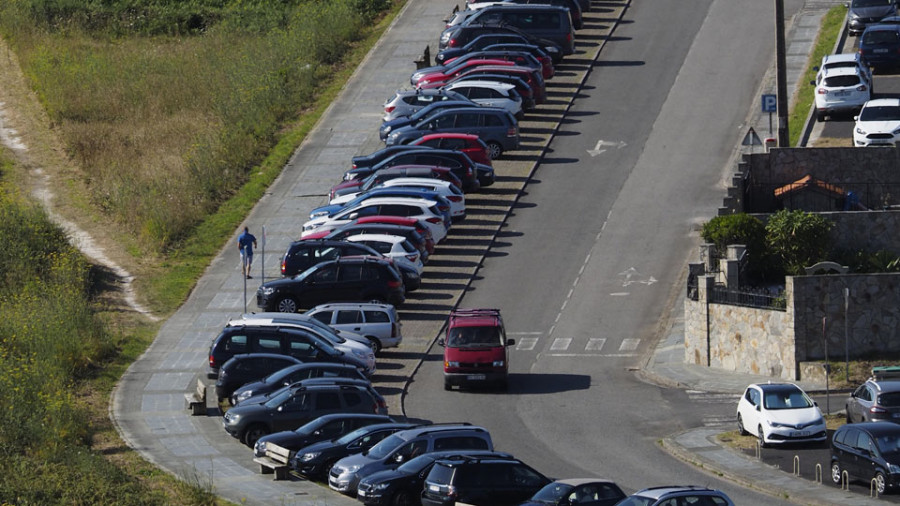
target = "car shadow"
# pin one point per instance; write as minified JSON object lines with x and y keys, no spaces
{"x":536,"y":384}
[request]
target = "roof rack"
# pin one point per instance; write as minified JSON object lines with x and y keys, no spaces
{"x":475,"y":312}
{"x":881,"y":373}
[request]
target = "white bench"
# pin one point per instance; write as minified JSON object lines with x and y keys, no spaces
{"x":275,"y":461}
{"x":195,"y":401}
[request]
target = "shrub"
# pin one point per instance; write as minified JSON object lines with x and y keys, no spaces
{"x":741,"y":229}
{"x":798,"y":239}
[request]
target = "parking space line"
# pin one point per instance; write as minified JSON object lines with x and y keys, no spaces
{"x":629,"y":344}
{"x":526,"y":343}
{"x":595,"y":344}
{"x":561,"y":343}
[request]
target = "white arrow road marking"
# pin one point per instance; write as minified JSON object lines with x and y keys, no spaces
{"x":601,"y":143}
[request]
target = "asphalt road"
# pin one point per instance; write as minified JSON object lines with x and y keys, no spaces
{"x":594,"y":253}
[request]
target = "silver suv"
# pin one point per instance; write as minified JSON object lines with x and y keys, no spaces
{"x":659,"y":496}
{"x":407,"y":102}
{"x":878,"y":399}
{"x":379,"y":323}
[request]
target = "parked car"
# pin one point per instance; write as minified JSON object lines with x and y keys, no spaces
{"x":380,"y":323}
{"x":372,"y":159}
{"x":392,"y":246}
{"x":491,"y":94}
{"x":460,"y":35}
{"x":412,"y":231}
{"x":418,"y":225}
{"x":293,"y":406}
{"x":878,"y":123}
{"x":407,"y":102}
{"x":584,"y":5}
{"x":840,"y":90}
{"x":471,"y":174}
{"x":382,"y":175}
{"x":297,"y":342}
{"x":380,"y":191}
{"x":879,"y":46}
{"x":426,"y":78}
{"x":496,"y":127}
{"x":852,"y":60}
{"x":574,"y":7}
{"x":305,"y":253}
{"x":481,"y":481}
{"x":524,"y":89}
{"x":323,"y":428}
{"x":480,"y":42}
{"x":316,"y":460}
{"x":531,"y":76}
{"x":577,"y":491}
{"x":862,"y":13}
{"x":436,"y":218}
{"x":550,"y":22}
{"x":344,"y":279}
{"x":389,"y":126}
{"x":867,"y":451}
{"x":404,"y":485}
{"x":876,"y":400}
{"x":294,"y":374}
{"x":469,"y":144}
{"x":669,"y":495}
{"x":547,"y":68}
{"x":476,"y":349}
{"x":249,"y":367}
{"x":402,"y":446}
{"x":780,"y":413}
{"x":446,"y":189}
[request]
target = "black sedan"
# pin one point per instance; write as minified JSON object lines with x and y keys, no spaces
{"x":324,"y":428}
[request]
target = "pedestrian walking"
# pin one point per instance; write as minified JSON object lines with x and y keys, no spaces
{"x":246,"y":243}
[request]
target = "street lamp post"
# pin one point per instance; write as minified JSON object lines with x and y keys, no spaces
{"x":784,"y":138}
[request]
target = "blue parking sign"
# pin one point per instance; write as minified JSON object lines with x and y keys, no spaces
{"x":769,"y":103}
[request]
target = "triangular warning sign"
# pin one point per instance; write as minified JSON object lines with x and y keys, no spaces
{"x":751,"y":139}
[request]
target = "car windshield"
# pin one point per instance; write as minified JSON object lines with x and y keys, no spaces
{"x":462,"y":337}
{"x":326,"y":331}
{"x":552,"y":493}
{"x":636,"y":500}
{"x":350,"y":437}
{"x":889,"y":400}
{"x":871,"y":3}
{"x":417,"y":464}
{"x":786,"y":398}
{"x":385,"y":447}
{"x":276,"y":377}
{"x":880,"y":113}
{"x":279,"y":398}
{"x":310,"y":427}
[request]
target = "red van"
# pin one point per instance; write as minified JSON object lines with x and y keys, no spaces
{"x":475,"y":348}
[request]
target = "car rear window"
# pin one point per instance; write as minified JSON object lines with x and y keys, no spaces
{"x":880,"y":37}
{"x":440,"y":474}
{"x":842,"y":81}
{"x":377,"y":317}
{"x":889,"y":400}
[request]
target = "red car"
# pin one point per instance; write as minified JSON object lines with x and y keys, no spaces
{"x":437,"y":79}
{"x":476,"y":350}
{"x":469,"y":144}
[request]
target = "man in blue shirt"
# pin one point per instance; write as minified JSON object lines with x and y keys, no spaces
{"x":246,"y":243}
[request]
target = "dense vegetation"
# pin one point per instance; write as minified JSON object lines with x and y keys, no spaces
{"x":167,"y":105}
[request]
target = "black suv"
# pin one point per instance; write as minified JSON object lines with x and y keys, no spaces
{"x":323,"y":428}
{"x":404,"y":484}
{"x":867,"y":451}
{"x":344,"y":279}
{"x":246,"y":367}
{"x":293,"y":406}
{"x":460,"y":35}
{"x":473,"y":175}
{"x":481,"y":481}
{"x":294,"y":374}
{"x":305,"y":253}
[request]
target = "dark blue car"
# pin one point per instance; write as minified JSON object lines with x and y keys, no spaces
{"x":879,"y":46}
{"x":389,"y":126}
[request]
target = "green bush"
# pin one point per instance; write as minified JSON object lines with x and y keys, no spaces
{"x":798,"y":239}
{"x":741,"y":229}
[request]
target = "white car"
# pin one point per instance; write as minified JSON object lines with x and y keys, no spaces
{"x":840,"y":90}
{"x":780,"y":413}
{"x":851,"y":60}
{"x":878,"y":123}
{"x":445,"y":189}
{"x":490,"y":94}
{"x":392,"y":246}
{"x":420,"y":209}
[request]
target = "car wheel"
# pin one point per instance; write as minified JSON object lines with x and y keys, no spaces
{"x":494,"y":150}
{"x":375,"y":343}
{"x":286,"y":305}
{"x":849,"y":418}
{"x":402,"y":498}
{"x":820,"y":117}
{"x":879,"y":482}
{"x":836,"y":473}
{"x":253,"y":433}
{"x":741,"y":428}
{"x":447,"y":385}
{"x":762,"y":437}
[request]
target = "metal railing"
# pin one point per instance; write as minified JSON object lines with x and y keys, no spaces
{"x":759,"y":298}
{"x":855,"y":196}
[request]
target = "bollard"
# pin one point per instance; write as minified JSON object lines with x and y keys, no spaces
{"x":845,"y":481}
{"x":818,"y":477}
{"x":873,"y":488}
{"x":758,"y":450}
{"x":796,"y":465}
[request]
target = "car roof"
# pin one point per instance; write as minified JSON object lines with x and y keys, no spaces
{"x":480,"y":84}
{"x":375,"y":237}
{"x":474,"y":318}
{"x":244,"y":356}
{"x":885,"y":385}
{"x":776,"y":387}
{"x":398,"y":181}
{"x":883,"y":102}
{"x":396,"y":200}
{"x":839,"y":71}
{"x":481,"y":109}
{"x":338,"y":416}
{"x":380,"y":219}
{"x":840,"y":57}
{"x":658,"y":492}
{"x":581,"y":481}
{"x":443,"y":427}
{"x":446,"y":135}
{"x":350,"y":305}
{"x":874,"y":428}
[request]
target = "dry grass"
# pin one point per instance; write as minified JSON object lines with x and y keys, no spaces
{"x":828,"y":142}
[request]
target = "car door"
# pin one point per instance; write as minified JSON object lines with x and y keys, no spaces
{"x":857,"y":464}
{"x":293,"y":412}
{"x":298,"y":343}
{"x":862,"y":401}
{"x":750,"y":410}
{"x":350,"y":319}
{"x":350,"y":284}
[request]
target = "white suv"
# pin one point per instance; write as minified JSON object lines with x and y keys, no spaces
{"x":379,"y":323}
{"x":840,"y":90}
{"x":878,"y":123}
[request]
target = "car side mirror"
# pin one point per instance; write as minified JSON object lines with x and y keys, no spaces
{"x":510,"y":342}
{"x":280,"y":409}
{"x":812,"y":83}
{"x":816,"y":68}
{"x":758,"y":407}
{"x":441,"y":342}
{"x":353,"y":216}
{"x":398,"y":458}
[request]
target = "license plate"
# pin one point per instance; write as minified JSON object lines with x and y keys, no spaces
{"x":842,"y":93}
{"x":475,"y":377}
{"x":880,"y":50}
{"x":799,"y":433}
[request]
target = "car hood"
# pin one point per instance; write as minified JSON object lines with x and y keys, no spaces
{"x":795,"y":417}
{"x":877,"y":11}
{"x":279,"y":283}
{"x":332,"y":208}
{"x":250,"y":407}
{"x":354,"y":460}
{"x":289,"y":439}
{"x":383,"y":476}
{"x":256,"y":385}
{"x":886,"y":126}
{"x":390,"y":126}
{"x":318,"y":447}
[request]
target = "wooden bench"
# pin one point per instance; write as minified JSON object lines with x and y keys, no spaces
{"x":195,"y":401}
{"x":275,"y":461}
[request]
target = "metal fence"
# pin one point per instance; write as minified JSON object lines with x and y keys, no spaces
{"x":760,"y":197}
{"x":759,"y":298}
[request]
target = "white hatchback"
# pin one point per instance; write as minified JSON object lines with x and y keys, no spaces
{"x":490,"y":94}
{"x":392,"y":246}
{"x":445,"y":189}
{"x":840,"y":90}
{"x":420,"y":209}
{"x":878,"y":123}
{"x":780,"y":413}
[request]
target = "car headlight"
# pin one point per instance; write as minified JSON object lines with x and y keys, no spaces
{"x":893,"y":468}
{"x":232,"y":417}
{"x":776,"y":424}
{"x":387,"y":129}
{"x":451,"y":364}
{"x":353,"y":468}
{"x":361,"y":354}
{"x":266,"y":290}
{"x":306,"y":457}
{"x":818,"y":421}
{"x":382,"y":486}
{"x":311,"y":226}
{"x":498,"y":363}
{"x":243,"y":396}
{"x":897,"y":131}
{"x":860,"y":131}
{"x":317,"y":214}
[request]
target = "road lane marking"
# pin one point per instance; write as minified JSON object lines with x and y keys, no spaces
{"x":595,"y":344}
{"x":526,"y":343}
{"x":629,"y":344}
{"x":561,"y":343}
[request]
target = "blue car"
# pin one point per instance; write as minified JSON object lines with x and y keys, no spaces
{"x":879,"y":46}
{"x":388,"y":126}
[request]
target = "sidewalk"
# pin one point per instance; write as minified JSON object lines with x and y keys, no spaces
{"x":666,"y":365}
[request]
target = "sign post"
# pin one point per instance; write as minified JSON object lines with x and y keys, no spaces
{"x":769,"y":105}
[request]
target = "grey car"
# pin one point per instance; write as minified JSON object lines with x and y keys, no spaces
{"x":875,"y":400}
{"x":496,"y":127}
{"x":379,"y":323}
{"x":862,"y":13}
{"x":407,"y":102}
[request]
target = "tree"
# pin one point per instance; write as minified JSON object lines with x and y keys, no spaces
{"x":743,"y":229}
{"x":799,"y":239}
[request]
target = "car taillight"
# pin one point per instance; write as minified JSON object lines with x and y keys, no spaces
{"x":451,"y":492}
{"x":283,"y":266}
{"x":435,"y":220}
{"x":390,"y":108}
{"x":821,"y":91}
{"x":455,"y":198}
{"x":412,"y":258}
{"x":861,"y":87}
{"x":395,"y":329}
{"x":511,"y":132}
{"x":443,"y":208}
{"x":875,"y":410}
{"x":212,"y":361}
{"x":452,"y":43}
{"x":394,"y":284}
{"x":569,"y":37}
